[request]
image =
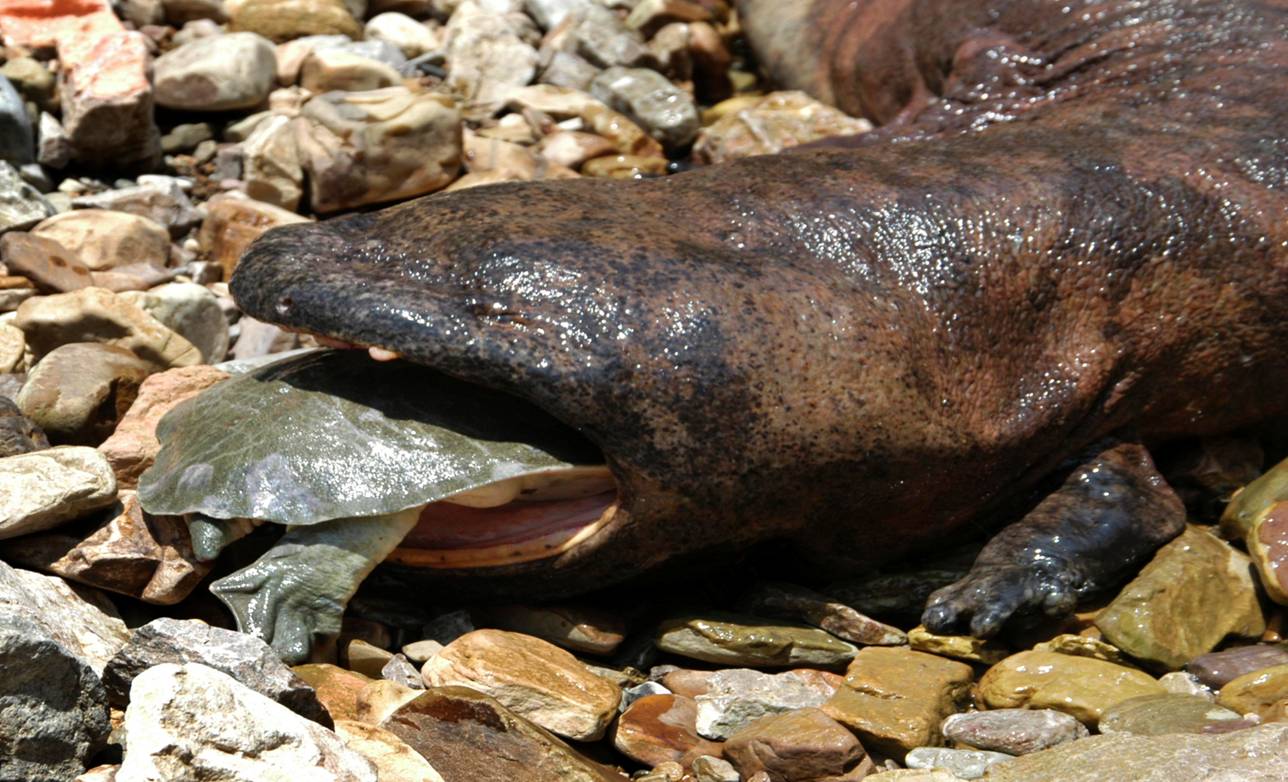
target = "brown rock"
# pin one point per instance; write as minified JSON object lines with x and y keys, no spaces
{"x":132,"y":553}
{"x":1263,"y":693}
{"x":839,"y":619}
{"x":394,"y":760}
{"x":381,"y":698}
{"x":106,"y":97}
{"x":102,"y":239}
{"x":98,"y":315}
{"x":660,"y":728}
{"x":535,"y":679}
{"x":1268,"y":545}
{"x":1220,"y":668}
{"x":572,"y":148}
{"x":895,"y":698}
{"x":573,"y":627}
{"x":133,"y":445}
{"x":336,"y":688}
{"x":624,"y":167}
{"x":1155,"y":715}
{"x":960,"y":647}
{"x":737,"y":639}
{"x":367,"y":659}
{"x":44,"y":261}
{"x":1253,"y":499}
{"x":1081,"y":686}
{"x":78,"y":392}
{"x":233,"y":221}
{"x":798,"y":746}
{"x":466,"y":735}
{"x":283,"y":20}
{"x":328,"y":68}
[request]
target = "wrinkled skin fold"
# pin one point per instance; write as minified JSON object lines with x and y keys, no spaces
{"x":1071,"y":226}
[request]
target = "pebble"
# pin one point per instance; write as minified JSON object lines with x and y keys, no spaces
{"x":191,"y":311}
{"x":43,"y":489}
{"x":961,"y":763}
{"x":336,"y":689}
{"x":666,"y":112}
{"x":1268,"y":546}
{"x":1153,"y":715}
{"x":365,"y":658}
{"x":708,"y":768}
{"x":1195,"y":592}
{"x":1083,"y":646}
{"x":193,"y":722}
{"x":17,"y":141}
{"x":394,"y":760}
{"x":271,"y":163}
{"x":283,"y":20}
{"x":895,"y":699}
{"x":412,"y":38}
{"x":959,"y":647}
{"x":98,"y":315}
{"x":534,"y":679}
{"x":79,"y":391}
{"x":1080,"y":686}
{"x":797,"y":746}
{"x":18,"y":435}
{"x":734,"y":639}
{"x":1013,"y":731}
{"x":486,"y":57}
{"x":83,"y":621}
{"x":21,"y":205}
{"x":233,"y":221}
{"x":599,"y":37}
{"x":161,"y":199}
{"x":186,"y":136}
{"x":467,"y":735}
{"x":102,"y":239}
{"x":43,"y":261}
{"x":1185,"y":683}
{"x":630,"y":694}
{"x":764,"y":126}
{"x":327,"y":69}
{"x":1263,"y":693}
{"x":34,"y":81}
{"x":550,"y":13}
{"x":735,"y":698}
{"x":399,"y":669}
{"x":53,"y":146}
{"x":421,"y":652}
{"x":579,"y":628}
{"x":1250,"y":501}
{"x":1218,"y":669}
{"x":795,"y":602}
{"x":659,"y":728}
{"x":233,"y":71}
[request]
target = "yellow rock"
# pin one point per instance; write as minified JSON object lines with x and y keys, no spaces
{"x":1264,"y":693}
{"x":1080,"y":686}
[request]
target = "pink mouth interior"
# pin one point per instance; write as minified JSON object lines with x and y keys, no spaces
{"x":444,"y":526}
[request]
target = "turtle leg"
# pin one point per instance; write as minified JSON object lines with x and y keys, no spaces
{"x":294,"y":595}
{"x":1112,"y":511}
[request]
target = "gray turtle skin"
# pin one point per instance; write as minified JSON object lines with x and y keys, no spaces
{"x":1069,"y":237}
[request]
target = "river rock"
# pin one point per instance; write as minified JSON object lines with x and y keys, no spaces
{"x":32,"y":80}
{"x":839,"y":619}
{"x":43,"y":261}
{"x":1263,"y":693}
{"x":1080,"y":686}
{"x":13,"y":359}
{"x":960,"y":647}
{"x":107,"y":101}
{"x":1154,"y":715}
{"x":79,"y":391}
{"x":571,"y":148}
{"x":233,"y":221}
{"x":1195,"y":592}
{"x":486,"y":58}
{"x":102,"y":239}
{"x":1013,"y":731}
{"x":1083,"y":646}
{"x":191,"y":311}
{"x":98,"y":315}
{"x":532,"y":678}
{"x":161,"y":199}
{"x":283,"y":20}
{"x":83,"y":621}
{"x":21,"y":205}
{"x":53,"y":145}
{"x":735,"y":698}
{"x":1253,"y":755}
{"x":40,"y":490}
{"x":771,"y":124}
{"x":271,"y":162}
{"x":246,"y":658}
{"x":1250,"y":501}
{"x":648,"y":16}
{"x":659,"y":728}
{"x":1268,"y":545}
{"x":666,"y":112}
{"x":798,"y":746}
{"x":365,"y":658}
{"x":131,"y":553}
{"x":380,"y":145}
{"x":18,"y":435}
{"x":412,"y":38}
{"x":192,"y":722}
{"x":17,"y":141}
{"x":327,"y":68}
{"x":399,"y":669}
{"x":734,"y":639}
{"x":380,"y":698}
{"x":54,"y":706}
{"x":894,"y":699}
{"x":1220,"y":668}
{"x":598,"y":36}
{"x":133,"y":446}
{"x":467,"y":735}
{"x":549,"y":13}
{"x":962,"y":763}
{"x":337,"y":689}
{"x":233,"y":71}
{"x":579,"y":628}
{"x":394,"y":760}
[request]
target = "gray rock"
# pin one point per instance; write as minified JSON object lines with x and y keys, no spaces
{"x":963,"y":763}
{"x":380,"y":51}
{"x":17,"y":143}
{"x":78,"y":392}
{"x":53,"y":705}
{"x":21,"y":205}
{"x":563,"y":69}
{"x":399,"y":669}
{"x":159,"y":198}
{"x":632,"y":694}
{"x":53,"y":147}
{"x":486,"y":59}
{"x":191,"y":311}
{"x":737,"y":697}
{"x":1013,"y":731}
{"x":549,"y":13}
{"x":187,"y":136}
{"x":40,"y":490}
{"x":666,"y":112}
{"x":1217,"y":669}
{"x":246,"y":658}
{"x":232,"y":71}
{"x":17,"y":433}
{"x":82,"y":620}
{"x":598,"y":35}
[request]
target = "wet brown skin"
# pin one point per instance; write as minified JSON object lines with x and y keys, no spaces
{"x":1072,"y":225}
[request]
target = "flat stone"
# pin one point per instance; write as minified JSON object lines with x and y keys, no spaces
{"x":131,"y":553}
{"x":599,"y":37}
{"x":191,"y":311}
{"x":1081,"y":686}
{"x":192,"y":722}
{"x":768,"y":125}
{"x":185,"y":137}
{"x":21,"y":205}
{"x":735,"y":698}
{"x":666,"y":112}
{"x":1195,"y":592}
{"x":46,"y":488}
{"x":1220,"y":668}
{"x":18,"y":435}
{"x":102,"y":239}
{"x":959,"y":647}
{"x":659,"y":728}
{"x":54,"y":706}
{"x":579,"y":628}
{"x":1013,"y":731}
{"x":420,"y":652}
{"x":394,"y":760}
{"x":962,"y":763}
{"x":83,"y":621}
{"x":233,"y":221}
{"x":1253,"y":755}
{"x":79,"y":391}
{"x":532,"y":678}
{"x":797,"y":746}
{"x":399,"y":669}
{"x":486,"y":57}
{"x":564,"y":103}
{"x":733,"y":639}
{"x":417,"y":136}
{"x":1268,"y":546}
{"x":1154,"y":715}
{"x":467,"y":735}
{"x":98,"y":315}
{"x":895,"y":699}
{"x":283,"y":20}
{"x":44,"y":261}
{"x":161,"y":199}
{"x":795,"y":602}
{"x":336,"y":688}
{"x":1083,"y":646}
{"x":1263,"y":693}
{"x":233,"y":71}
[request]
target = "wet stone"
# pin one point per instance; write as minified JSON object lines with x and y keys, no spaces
{"x":1080,"y":686}
{"x":1185,"y":683}
{"x":797,"y":746}
{"x":771,"y":124}
{"x":959,"y":647}
{"x":78,"y":392}
{"x":659,"y":728}
{"x":1220,"y":668}
{"x":1268,"y":546}
{"x":1253,"y":499}
{"x":1013,"y":731}
{"x":735,"y":698}
{"x":46,"y":488}
{"x":733,"y":639}
{"x":18,"y":435}
{"x":1153,"y":715}
{"x":837,"y":618}
{"x":962,"y":763}
{"x":1263,"y":693}
{"x":1083,"y":646}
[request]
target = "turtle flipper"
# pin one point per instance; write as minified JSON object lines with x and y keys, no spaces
{"x":1113,"y":510}
{"x":294,"y":595}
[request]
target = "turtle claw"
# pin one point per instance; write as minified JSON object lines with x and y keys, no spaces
{"x":988,"y":598}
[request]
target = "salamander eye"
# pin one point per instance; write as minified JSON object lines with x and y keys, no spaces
{"x":285,"y":306}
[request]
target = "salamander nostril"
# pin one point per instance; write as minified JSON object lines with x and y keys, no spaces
{"x":285,"y":306}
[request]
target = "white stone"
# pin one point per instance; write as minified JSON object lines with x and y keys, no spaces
{"x":103,"y":239}
{"x":42,"y":489}
{"x":737,"y":697}
{"x":412,"y":38}
{"x":271,"y":164}
{"x":82,"y":620}
{"x":191,"y":311}
{"x":233,"y":71}
{"x":486,"y":58}
{"x":328,"y":68}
